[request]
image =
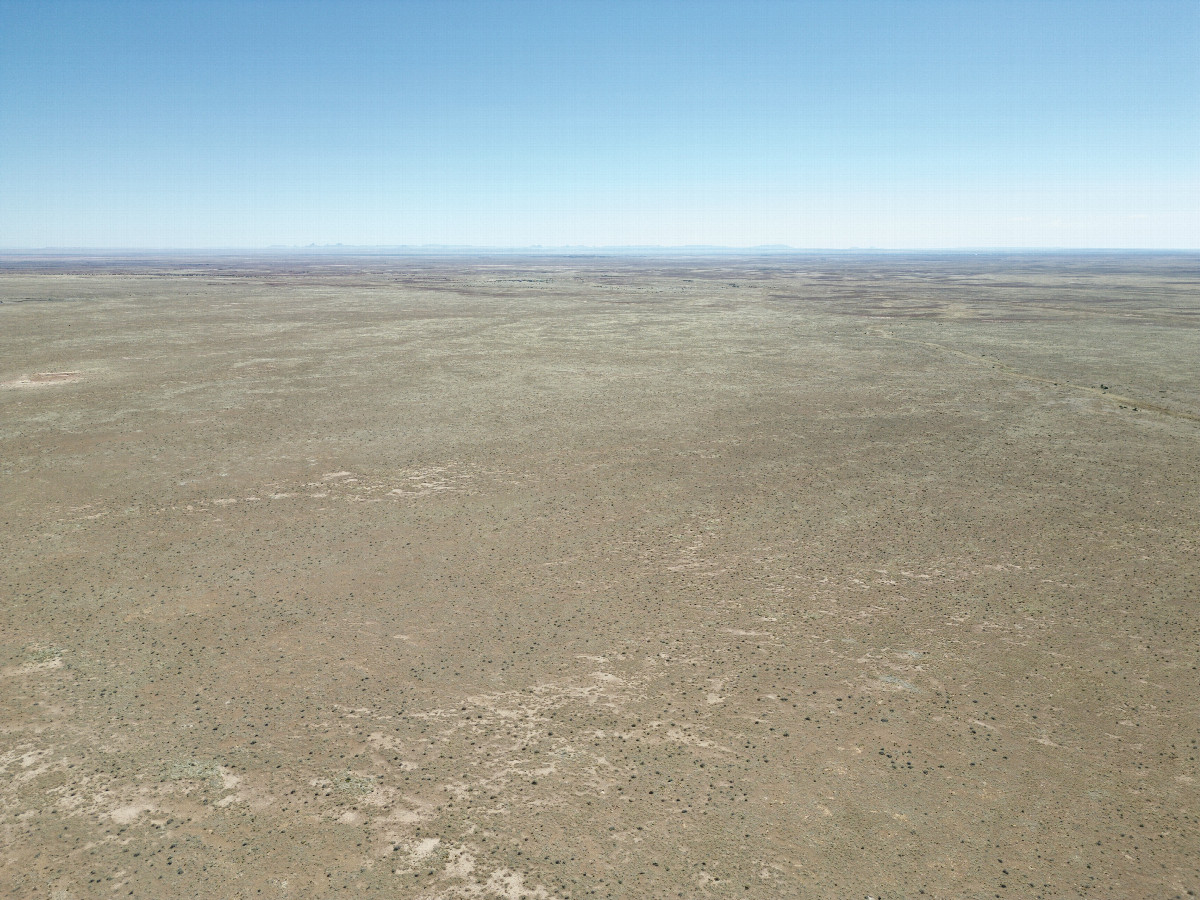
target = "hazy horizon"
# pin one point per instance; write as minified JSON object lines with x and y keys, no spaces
{"x":631,"y":249}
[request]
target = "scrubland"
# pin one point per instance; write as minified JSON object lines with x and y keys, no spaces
{"x":568,"y":577}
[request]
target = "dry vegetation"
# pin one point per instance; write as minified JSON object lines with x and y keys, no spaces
{"x":596,"y":577}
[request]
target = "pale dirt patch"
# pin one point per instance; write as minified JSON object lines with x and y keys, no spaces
{"x":42,"y":379}
{"x":125,"y":815}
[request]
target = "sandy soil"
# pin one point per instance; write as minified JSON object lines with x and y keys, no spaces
{"x":598,"y":577}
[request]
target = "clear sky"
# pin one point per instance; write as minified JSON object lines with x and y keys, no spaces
{"x":820,"y":124}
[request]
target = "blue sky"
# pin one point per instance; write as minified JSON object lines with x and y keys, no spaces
{"x":839,"y":124}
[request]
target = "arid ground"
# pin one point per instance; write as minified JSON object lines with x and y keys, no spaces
{"x":833,"y":576}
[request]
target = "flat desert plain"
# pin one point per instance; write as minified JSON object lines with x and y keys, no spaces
{"x":822,"y":576}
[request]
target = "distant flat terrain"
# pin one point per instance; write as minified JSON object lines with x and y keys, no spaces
{"x":820,"y":576}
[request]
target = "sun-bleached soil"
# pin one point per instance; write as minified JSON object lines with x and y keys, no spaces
{"x":569,"y":577}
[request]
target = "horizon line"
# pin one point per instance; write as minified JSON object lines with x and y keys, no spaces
{"x":560,"y":248}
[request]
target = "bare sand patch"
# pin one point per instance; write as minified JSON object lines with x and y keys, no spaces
{"x":42,"y":379}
